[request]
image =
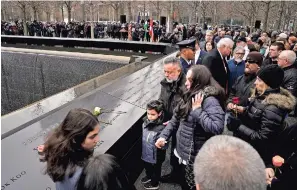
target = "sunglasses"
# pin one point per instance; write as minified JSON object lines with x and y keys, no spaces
{"x":251,"y":61}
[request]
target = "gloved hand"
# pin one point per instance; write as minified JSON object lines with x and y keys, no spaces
{"x":233,"y":123}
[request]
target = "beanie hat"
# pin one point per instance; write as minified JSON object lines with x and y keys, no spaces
{"x":255,"y":57}
{"x":283,"y":35}
{"x":272,"y":75}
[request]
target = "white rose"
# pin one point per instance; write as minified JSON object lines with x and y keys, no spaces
{"x":97,"y":111}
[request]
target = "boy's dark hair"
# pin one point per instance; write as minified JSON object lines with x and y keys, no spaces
{"x":155,"y":105}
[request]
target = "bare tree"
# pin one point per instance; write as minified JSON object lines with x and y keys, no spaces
{"x":91,"y":4}
{"x":48,"y":7}
{"x":247,"y":10}
{"x":280,"y":12}
{"x":68,"y":5}
{"x":268,"y":5}
{"x":169,"y":10}
{"x":60,"y":6}
{"x":116,"y":6}
{"x":214,"y":11}
{"x":204,"y":6}
{"x":4,"y":7}
{"x":129,"y":6}
{"x":83,"y":11}
{"x":289,"y":14}
{"x":23,"y":5}
{"x":157,"y":5}
{"x":177,"y":11}
{"x":194,"y":6}
{"x":36,"y":6}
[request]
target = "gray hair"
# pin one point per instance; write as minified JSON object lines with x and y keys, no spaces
{"x":290,"y":55}
{"x":239,"y":48}
{"x":172,"y":60}
{"x":226,"y":162}
{"x":225,"y":42}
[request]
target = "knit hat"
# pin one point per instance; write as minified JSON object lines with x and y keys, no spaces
{"x":272,"y":75}
{"x":255,"y":57}
{"x":283,"y":35}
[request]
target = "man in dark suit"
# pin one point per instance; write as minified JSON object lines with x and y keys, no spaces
{"x":216,"y":62}
{"x":187,"y":53}
{"x":199,"y":54}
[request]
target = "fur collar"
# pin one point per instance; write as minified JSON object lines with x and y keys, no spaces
{"x":210,"y":91}
{"x":284,"y":99}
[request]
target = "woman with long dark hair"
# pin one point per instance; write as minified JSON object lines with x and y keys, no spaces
{"x":197,"y":118}
{"x":102,"y":172}
{"x":68,"y":148}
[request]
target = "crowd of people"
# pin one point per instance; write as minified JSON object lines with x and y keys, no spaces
{"x":227,"y":107}
{"x":136,"y":31}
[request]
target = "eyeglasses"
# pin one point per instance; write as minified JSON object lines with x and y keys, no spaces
{"x":239,"y":53}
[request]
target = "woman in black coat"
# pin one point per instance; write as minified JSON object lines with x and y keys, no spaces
{"x":262,"y":121}
{"x":198,"y":117}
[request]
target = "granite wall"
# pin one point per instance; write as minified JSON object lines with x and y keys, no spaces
{"x":27,"y":78}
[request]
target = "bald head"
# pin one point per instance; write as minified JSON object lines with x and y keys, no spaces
{"x":286,"y":58}
{"x":226,"y":162}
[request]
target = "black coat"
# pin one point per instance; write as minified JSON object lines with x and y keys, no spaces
{"x":213,"y":61}
{"x":290,"y":79}
{"x":263,"y":121}
{"x":242,"y":89}
{"x":172,"y":94}
{"x":268,"y":61}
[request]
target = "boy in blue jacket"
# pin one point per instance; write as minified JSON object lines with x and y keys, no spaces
{"x":151,"y":155}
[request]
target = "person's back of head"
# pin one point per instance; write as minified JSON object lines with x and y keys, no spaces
{"x":102,"y":172}
{"x":227,"y":163}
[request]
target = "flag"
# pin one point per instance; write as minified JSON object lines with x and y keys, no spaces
{"x":138,"y":18}
{"x":151,"y":32}
{"x":145,"y":29}
{"x":174,"y":15}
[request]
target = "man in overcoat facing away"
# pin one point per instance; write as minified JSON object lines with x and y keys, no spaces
{"x":216,"y":62}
